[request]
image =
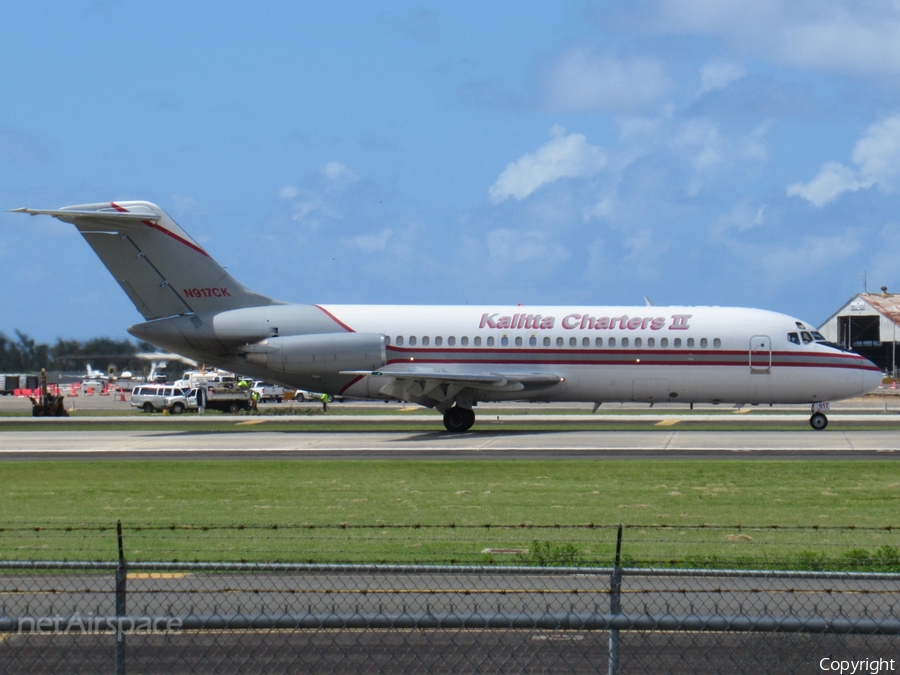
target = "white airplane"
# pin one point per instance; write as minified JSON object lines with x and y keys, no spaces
{"x":452,"y":357}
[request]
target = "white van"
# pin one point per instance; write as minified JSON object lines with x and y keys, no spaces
{"x":152,"y":397}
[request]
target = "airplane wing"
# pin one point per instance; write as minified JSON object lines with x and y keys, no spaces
{"x":439,"y":389}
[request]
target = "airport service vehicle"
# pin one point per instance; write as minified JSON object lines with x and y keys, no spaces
{"x":152,"y":397}
{"x":212,"y":398}
{"x":451,"y":357}
{"x":268,"y":392}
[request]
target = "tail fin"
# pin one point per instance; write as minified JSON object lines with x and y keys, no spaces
{"x":163,"y":271}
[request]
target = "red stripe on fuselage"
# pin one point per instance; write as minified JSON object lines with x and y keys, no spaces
{"x":645,"y":359}
{"x":350,"y":384}
{"x":336,"y":320}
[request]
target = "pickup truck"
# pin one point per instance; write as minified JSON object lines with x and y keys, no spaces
{"x":226,"y":400}
{"x":268,"y":392}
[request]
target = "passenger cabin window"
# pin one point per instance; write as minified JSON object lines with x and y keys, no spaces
{"x":676,"y":343}
{"x":586,"y":342}
{"x":612,"y":342}
{"x":478,"y":341}
{"x":573,"y":342}
{"x":532,"y":341}
{"x":425,"y":341}
{"x":504,"y":341}
{"x":637,"y":342}
{"x":690,"y":342}
{"x":438,"y":341}
{"x":703,"y":343}
{"x":651,"y":342}
{"x":451,"y":341}
{"x":663,"y":342}
{"x":464,"y":341}
{"x":490,"y":341}
{"x":560,"y":342}
{"x":519,"y":341}
{"x":624,"y":342}
{"x":793,"y":337}
{"x":598,"y":342}
{"x":546,"y":342}
{"x":412,"y":340}
{"x":717,"y":343}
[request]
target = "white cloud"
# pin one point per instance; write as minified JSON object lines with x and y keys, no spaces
{"x":877,"y":158}
{"x":745,"y":216}
{"x":372,"y":243}
{"x":288,"y":192}
{"x":878,"y":152}
{"x":565,"y":156}
{"x":833,"y":180}
{"x":701,"y":142}
{"x":509,"y":247}
{"x":580,"y":80}
{"x":335,"y":171}
{"x":835,"y":35}
{"x":719,"y":74}
{"x":811,"y":254}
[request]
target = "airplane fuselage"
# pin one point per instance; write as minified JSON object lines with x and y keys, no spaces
{"x":601,"y":354}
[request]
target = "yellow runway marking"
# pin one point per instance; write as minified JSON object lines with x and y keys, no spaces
{"x":667,"y":423}
{"x":742,"y":411}
{"x":240,"y":424}
{"x":157,"y":575}
{"x":409,"y":408}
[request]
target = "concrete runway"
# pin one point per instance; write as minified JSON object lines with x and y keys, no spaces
{"x":656,"y":444}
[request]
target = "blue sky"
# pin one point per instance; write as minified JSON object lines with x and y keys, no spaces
{"x":698,"y":152}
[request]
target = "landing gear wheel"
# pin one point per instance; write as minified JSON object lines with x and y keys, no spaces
{"x":818,"y":421}
{"x":459,"y":419}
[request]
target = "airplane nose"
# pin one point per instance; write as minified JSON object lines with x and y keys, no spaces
{"x":870,"y":378}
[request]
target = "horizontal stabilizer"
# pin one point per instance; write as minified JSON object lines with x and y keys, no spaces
{"x":114,"y":215}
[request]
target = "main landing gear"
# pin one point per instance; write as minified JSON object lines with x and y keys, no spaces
{"x":459,"y":419}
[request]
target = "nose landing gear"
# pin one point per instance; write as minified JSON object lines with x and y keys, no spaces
{"x":458,"y":419}
{"x":818,"y":421}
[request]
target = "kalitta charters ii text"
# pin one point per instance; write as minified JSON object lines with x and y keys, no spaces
{"x":584,"y":322}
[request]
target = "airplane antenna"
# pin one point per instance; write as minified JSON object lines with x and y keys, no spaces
{"x":648,"y":301}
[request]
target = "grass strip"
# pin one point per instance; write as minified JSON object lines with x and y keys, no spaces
{"x":829,"y":514}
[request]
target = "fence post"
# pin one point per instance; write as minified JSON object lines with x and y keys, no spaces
{"x":615,"y":606}
{"x":121,"y":576}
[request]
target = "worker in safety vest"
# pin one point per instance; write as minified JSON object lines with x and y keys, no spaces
{"x":324,"y":402}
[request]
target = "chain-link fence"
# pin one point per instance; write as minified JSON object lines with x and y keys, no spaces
{"x":202,"y":617}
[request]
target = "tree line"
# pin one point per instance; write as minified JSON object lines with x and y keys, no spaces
{"x":23,"y":354}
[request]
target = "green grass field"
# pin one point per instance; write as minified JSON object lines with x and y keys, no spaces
{"x":675,"y":511}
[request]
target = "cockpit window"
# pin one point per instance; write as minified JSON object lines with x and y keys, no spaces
{"x":793,"y":337}
{"x":817,"y":336}
{"x":800,"y":325}
{"x":807,"y":338}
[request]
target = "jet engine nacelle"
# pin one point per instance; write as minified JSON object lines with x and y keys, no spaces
{"x":319,"y":353}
